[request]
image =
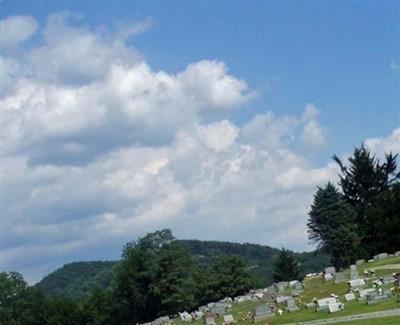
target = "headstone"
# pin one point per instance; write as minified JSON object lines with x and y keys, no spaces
{"x":185,"y":316}
{"x":161,"y":320}
{"x":373,"y":299}
{"x":328,"y":276}
{"x":335,"y":307}
{"x":310,"y":305}
{"x":356,"y":283}
{"x":353,"y":267}
{"x":380,"y":256}
{"x":271,"y":289}
{"x":228,"y":319}
{"x":364,"y":293}
{"x":388,"y":279}
{"x":397,"y":253}
{"x":282,"y":299}
{"x":349,"y":296}
{"x":324,"y":303}
{"x":211,"y":304}
{"x":339,"y":277}
{"x":291,"y":305}
{"x":360,"y":262}
{"x":330,"y":270}
{"x":354,"y":275}
{"x":219,"y":308}
{"x":262,"y":311}
{"x":295,"y":293}
{"x":371,"y":260}
{"x":281,"y":286}
{"x":210,"y":320}
{"x":269,"y":297}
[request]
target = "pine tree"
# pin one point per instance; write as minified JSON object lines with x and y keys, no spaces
{"x":366,"y":184}
{"x":331,"y":224}
{"x":286,"y":267}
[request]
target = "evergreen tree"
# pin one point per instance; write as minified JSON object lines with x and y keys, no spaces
{"x":366,"y":184}
{"x":286,"y":268}
{"x":331,"y":224}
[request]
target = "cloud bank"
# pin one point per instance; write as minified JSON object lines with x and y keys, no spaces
{"x":99,"y":148}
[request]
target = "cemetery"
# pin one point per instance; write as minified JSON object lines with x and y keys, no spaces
{"x":364,"y":287}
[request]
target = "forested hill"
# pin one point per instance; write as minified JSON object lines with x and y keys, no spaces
{"x":259,"y":257}
{"x":75,"y":280}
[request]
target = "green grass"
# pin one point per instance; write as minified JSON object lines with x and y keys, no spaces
{"x":316,"y":287}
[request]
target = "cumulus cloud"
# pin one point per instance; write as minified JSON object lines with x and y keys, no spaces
{"x":384,"y":145}
{"x":100,"y":148}
{"x":15,"y":30}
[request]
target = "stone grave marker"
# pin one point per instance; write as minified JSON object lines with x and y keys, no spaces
{"x":323,"y":304}
{"x":364,"y":293}
{"x":210,"y":319}
{"x":349,"y":296}
{"x":335,"y":307}
{"x":291,"y":305}
{"x":328,"y":276}
{"x":381,"y":256}
{"x":397,"y":253}
{"x":373,"y":299}
{"x":356,"y":283}
{"x":219,"y":308}
{"x":228,"y":319}
{"x":282,"y":299}
{"x":330,"y":270}
{"x":263,"y":311}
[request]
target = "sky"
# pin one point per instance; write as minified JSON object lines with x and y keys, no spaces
{"x":217,"y":120}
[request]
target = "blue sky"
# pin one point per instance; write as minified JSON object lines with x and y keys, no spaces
{"x":250,"y":95}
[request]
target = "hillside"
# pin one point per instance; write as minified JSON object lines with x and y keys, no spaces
{"x":316,"y":287}
{"x":75,"y":280}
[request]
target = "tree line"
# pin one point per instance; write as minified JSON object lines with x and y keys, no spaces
{"x":360,"y":217}
{"x":156,"y":276}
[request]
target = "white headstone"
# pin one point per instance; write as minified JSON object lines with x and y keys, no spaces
{"x":381,"y":256}
{"x":334,"y":307}
{"x":323,"y":303}
{"x":228,"y":319}
{"x":356,"y":283}
{"x":330,"y":270}
{"x":282,"y":299}
{"x":349,"y":296}
{"x":360,"y":262}
{"x":364,"y":293}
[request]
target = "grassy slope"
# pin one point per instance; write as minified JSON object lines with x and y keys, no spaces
{"x":316,"y":287}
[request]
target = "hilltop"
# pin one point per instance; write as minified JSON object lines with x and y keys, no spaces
{"x":76,"y":280}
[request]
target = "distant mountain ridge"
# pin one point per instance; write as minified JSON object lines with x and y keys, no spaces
{"x":77,"y":279}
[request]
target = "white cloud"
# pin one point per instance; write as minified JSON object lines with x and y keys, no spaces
{"x":100,"y":148}
{"x":219,"y":136}
{"x":384,"y":145}
{"x":16,"y":29}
